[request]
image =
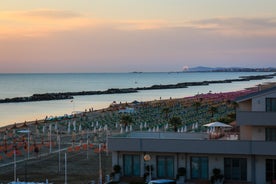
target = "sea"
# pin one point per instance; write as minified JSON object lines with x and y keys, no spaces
{"x":24,"y":85}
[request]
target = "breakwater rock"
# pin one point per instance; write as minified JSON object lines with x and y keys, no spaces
{"x":70,"y":95}
{"x":63,"y":96}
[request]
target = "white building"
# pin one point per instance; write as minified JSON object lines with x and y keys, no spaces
{"x":250,"y":159}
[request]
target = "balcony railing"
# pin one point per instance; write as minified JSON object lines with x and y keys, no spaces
{"x":192,"y":146}
{"x":256,"y":118}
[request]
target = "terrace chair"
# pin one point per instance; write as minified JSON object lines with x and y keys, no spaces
{"x":70,"y":149}
{"x":10,"y":154}
{"x":84,"y":147}
{"x":77,"y":148}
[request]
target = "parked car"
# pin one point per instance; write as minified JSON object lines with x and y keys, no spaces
{"x":162,"y":181}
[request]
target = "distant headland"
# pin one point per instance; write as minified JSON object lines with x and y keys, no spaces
{"x":70,"y":95}
{"x":225,"y":69}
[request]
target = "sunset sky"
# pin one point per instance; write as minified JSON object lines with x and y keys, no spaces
{"x":135,"y":35}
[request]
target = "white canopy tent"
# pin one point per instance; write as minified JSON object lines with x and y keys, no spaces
{"x":217,"y":124}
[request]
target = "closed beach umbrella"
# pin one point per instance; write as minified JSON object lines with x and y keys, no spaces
{"x":130,"y":128}
{"x":69,"y":128}
{"x":157,"y":129}
{"x":74,"y":125}
{"x":141,"y":126}
{"x":105,"y":127}
{"x":185,"y":128}
{"x":196,"y":125}
{"x":80,"y":128}
{"x":121,"y":131}
{"x":165,"y":128}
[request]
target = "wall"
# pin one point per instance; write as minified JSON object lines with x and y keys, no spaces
{"x":245,"y":106}
{"x":258,"y":103}
{"x":258,"y":133}
{"x":216,"y":161}
{"x":253,"y":133}
{"x":245,"y":133}
{"x":260,"y":169}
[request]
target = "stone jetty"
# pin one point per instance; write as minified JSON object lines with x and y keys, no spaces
{"x":70,"y":95}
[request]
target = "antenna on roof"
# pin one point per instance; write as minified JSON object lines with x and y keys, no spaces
{"x":259,"y":87}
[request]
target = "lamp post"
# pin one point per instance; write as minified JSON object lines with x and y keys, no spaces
{"x":25,"y":164}
{"x":14,"y":171}
{"x":50,"y":137}
{"x":147,"y":158}
{"x":59,"y":152}
{"x":65,"y":168}
{"x":100,"y":164}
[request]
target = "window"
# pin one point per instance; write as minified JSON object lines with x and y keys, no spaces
{"x":165,"y":166}
{"x":270,"y":134}
{"x":131,"y":165}
{"x":235,"y":169}
{"x":270,"y":169}
{"x":199,"y":168}
{"x":270,"y":104}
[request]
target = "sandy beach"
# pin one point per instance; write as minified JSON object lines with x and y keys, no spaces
{"x":40,"y":146}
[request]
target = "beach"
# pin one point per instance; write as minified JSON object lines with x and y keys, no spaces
{"x":45,"y":142}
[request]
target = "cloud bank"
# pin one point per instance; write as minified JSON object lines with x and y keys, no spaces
{"x":67,"y":41}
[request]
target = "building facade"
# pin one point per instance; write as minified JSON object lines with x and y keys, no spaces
{"x":251,"y":158}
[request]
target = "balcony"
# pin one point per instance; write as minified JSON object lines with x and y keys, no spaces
{"x":256,"y":118}
{"x":177,"y":145}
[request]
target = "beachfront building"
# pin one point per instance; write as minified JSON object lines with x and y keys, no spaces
{"x":249,"y":159}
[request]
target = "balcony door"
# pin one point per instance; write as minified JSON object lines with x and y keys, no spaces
{"x":235,"y":169}
{"x":270,"y":170}
{"x":165,"y":167}
{"x":131,"y":165}
{"x":199,"y":168}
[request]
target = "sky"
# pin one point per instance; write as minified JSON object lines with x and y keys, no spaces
{"x":67,"y":36}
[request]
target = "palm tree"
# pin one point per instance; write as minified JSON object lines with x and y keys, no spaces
{"x":126,"y":120}
{"x":166,"y":111}
{"x":235,"y":105}
{"x":197,"y":105}
{"x":213,"y":110}
{"x":175,"y":122}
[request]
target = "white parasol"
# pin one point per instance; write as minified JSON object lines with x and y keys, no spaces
{"x":217,"y":124}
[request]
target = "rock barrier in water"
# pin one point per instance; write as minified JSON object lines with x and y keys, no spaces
{"x":70,"y":95}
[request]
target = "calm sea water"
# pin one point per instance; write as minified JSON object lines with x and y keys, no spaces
{"x":18,"y":85}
